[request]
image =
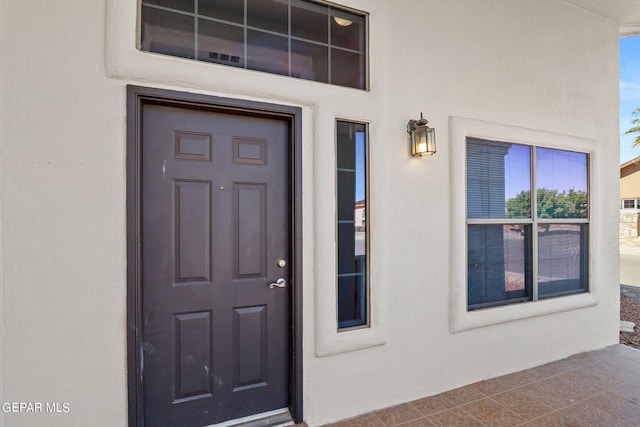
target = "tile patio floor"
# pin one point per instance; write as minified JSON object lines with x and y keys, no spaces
{"x":599,"y":388}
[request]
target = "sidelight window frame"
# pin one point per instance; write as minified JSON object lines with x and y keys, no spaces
{"x":365,"y":319}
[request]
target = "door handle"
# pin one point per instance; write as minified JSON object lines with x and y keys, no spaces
{"x":280,"y":283}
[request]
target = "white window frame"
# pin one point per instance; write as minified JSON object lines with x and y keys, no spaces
{"x":460,"y":318}
{"x":636,"y":204}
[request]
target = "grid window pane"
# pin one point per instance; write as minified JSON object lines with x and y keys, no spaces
{"x":220,"y":43}
{"x":286,"y":37}
{"x":167,"y":32}
{"x":562,"y":259}
{"x":226,"y":10}
{"x":309,"y":21}
{"x":267,"y":52}
{"x":628,"y":204}
{"x":561,"y":178}
{"x":347,"y":69}
{"x":499,"y":267}
{"x":309,"y":61}
{"x":498,"y":180}
{"x":347,"y":30}
{"x":272,"y":15}
{"x":351,"y":201}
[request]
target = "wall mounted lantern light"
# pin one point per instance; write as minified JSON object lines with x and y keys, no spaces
{"x":423,"y":138}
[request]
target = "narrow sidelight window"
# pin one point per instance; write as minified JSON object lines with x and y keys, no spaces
{"x":352,"y":237}
{"x":306,"y":39}
{"x":527,"y":223}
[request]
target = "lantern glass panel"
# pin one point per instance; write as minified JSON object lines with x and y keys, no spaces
{"x":421,"y":140}
{"x":431,"y":140}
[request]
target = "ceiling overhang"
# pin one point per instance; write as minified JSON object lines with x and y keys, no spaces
{"x":626,"y":13}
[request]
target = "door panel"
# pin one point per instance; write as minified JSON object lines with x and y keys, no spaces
{"x":250,"y":204}
{"x":250,"y":345}
{"x":215,"y":221}
{"x":193,"y":352}
{"x":192,"y":231}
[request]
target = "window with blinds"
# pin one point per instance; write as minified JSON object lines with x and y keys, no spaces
{"x":527,"y":223}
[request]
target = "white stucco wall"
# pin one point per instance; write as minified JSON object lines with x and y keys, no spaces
{"x":542,"y":65}
{"x":64,"y":217}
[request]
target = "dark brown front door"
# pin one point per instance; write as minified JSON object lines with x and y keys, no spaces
{"x":215,"y":235}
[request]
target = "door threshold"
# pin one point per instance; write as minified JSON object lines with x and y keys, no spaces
{"x":277,"y":418}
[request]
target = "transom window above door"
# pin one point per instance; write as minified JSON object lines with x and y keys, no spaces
{"x":310,"y":40}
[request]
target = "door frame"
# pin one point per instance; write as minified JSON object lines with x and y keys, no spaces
{"x":137,"y":97}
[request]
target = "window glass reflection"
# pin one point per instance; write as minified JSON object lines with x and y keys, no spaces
{"x":309,"y":21}
{"x":220,"y":43}
{"x":347,"y":30}
{"x":498,"y":180}
{"x":167,"y":32}
{"x":562,"y":259}
{"x":227,"y":10}
{"x":272,"y":15}
{"x":561,"y":180}
{"x":347,"y":68}
{"x":287,"y":37}
{"x":499,"y":269}
{"x":309,"y":61}
{"x":351,"y":191}
{"x":267,"y":52}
